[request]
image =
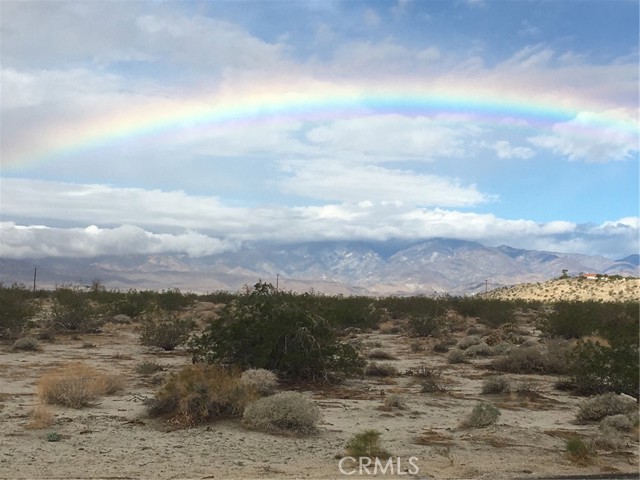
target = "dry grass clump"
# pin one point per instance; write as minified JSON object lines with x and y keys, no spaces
{"x":199,"y":393}
{"x":601,"y":406}
{"x":380,"y":370}
{"x":285,"y":412}
{"x":479,"y":350}
{"x":482,"y":415}
{"x":380,"y":354}
{"x":619,"y":422}
{"x":148,"y":368}
{"x":262,"y":380}
{"x":431,"y":379}
{"x":77,"y":385}
{"x":41,"y":417}
{"x":395,"y":401}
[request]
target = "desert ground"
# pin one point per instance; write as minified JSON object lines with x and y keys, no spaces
{"x":116,"y":439}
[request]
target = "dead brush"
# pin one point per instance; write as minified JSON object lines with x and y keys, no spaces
{"x":77,"y":385}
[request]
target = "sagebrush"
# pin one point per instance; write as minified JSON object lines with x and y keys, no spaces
{"x":285,"y":412}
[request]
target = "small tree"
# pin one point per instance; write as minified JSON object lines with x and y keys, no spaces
{"x":264,"y":328}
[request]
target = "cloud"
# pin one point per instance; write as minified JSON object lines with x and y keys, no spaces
{"x":593,"y":137}
{"x":333,"y":181}
{"x":37,"y":242}
{"x":504,"y":150}
{"x":124,"y":220}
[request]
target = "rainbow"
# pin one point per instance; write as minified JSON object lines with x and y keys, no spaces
{"x":202,"y":112}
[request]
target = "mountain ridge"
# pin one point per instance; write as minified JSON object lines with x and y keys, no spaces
{"x":431,"y":266}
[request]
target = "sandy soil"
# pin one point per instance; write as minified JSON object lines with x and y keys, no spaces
{"x":114,"y":439}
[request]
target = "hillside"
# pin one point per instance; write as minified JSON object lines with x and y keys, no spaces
{"x":621,"y":290}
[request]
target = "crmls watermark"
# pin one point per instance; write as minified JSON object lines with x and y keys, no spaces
{"x":368,"y":466}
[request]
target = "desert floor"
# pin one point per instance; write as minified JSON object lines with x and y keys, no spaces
{"x":114,"y":438}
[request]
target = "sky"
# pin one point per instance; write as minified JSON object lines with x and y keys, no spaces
{"x":193,"y":127}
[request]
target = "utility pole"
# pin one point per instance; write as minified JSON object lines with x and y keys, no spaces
{"x":277,"y":281}
{"x":486,"y":287}
{"x":35,"y":274}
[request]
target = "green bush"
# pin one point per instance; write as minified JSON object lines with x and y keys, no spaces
{"x":285,"y":412}
{"x":532,"y":359}
{"x":491,"y":312}
{"x":597,"y":368}
{"x":201,"y":393}
{"x":165,"y":329}
{"x":173,"y":300}
{"x":482,"y":415}
{"x":72,"y":311}
{"x":578,"y":451}
{"x":16,"y":308}
{"x":264,"y":328}
{"x":367,"y":444}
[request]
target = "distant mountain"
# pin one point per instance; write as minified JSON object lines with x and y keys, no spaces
{"x":436,"y":265}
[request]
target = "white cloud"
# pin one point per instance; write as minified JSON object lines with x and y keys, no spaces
{"x":504,"y":150}
{"x":333,"y":181}
{"x":120,"y":220}
{"x":392,"y":136}
{"x":371,"y":18}
{"x":593,"y":137}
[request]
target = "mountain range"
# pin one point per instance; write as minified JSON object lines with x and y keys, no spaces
{"x":431,"y":266}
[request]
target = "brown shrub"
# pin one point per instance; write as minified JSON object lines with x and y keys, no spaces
{"x":41,"y":417}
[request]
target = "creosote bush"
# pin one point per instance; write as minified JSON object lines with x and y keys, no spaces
{"x":379,"y":354}
{"x":263,"y":381}
{"x":278,"y":331}
{"x":482,"y":415}
{"x":200,"y":393}
{"x":456,"y":356}
{"x":165,"y":329}
{"x":366,"y":444}
{"x":16,"y":308}
{"x":285,"y":412}
{"x":77,"y":385}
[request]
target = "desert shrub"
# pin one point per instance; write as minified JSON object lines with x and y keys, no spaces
{"x":495,"y":384}
{"x":430,"y":378}
{"x":134,"y":303}
{"x":285,"y":412}
{"x":456,"y":356}
{"x":77,"y":385}
{"x":600,"y":406}
{"x":526,"y":389}
{"x":200,"y":393}
{"x":619,"y":422}
{"x":381,"y":355}
{"x":173,"y":300}
{"x":395,"y":400}
{"x":366,"y":444}
{"x":505,"y":333}
{"x":375,"y":369}
{"x":578,"y":451}
{"x":441,"y":347}
{"x":530,"y":360}
{"x":479,"y":350}
{"x":72,"y":311}
{"x":16,"y":308}
{"x":428,"y":322}
{"x":502,"y":348}
{"x":263,"y":381}
{"x":416,"y":346}
{"x":595,"y":368}
{"x":26,"y":343}
{"x":466,"y":342}
{"x":352,"y":311}
{"x":482,"y":415}
{"x":491,"y":312}
{"x":265,"y":328}
{"x":165,"y":329}
{"x":148,"y":368}
{"x":53,"y":437}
